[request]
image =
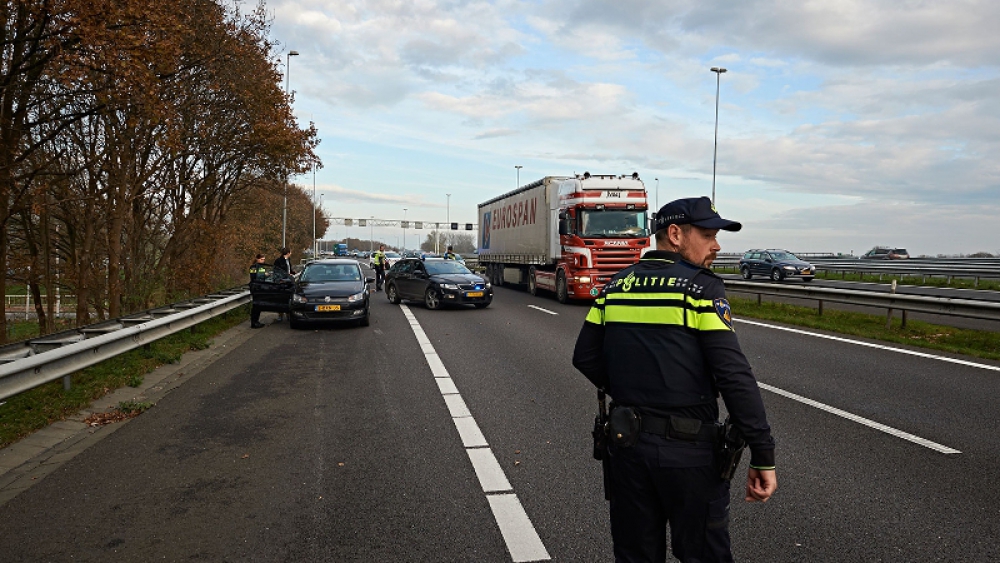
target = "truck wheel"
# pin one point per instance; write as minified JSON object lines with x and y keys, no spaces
{"x":498,"y":275}
{"x":532,"y":284}
{"x":562,"y":292}
{"x":746,"y":272}
{"x":392,"y":294}
{"x":432,"y":299}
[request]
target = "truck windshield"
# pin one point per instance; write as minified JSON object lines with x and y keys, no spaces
{"x":612,"y":223}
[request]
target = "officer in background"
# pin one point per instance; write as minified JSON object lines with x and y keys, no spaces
{"x":659,"y":339}
{"x":378,"y":262}
{"x":258,"y":273}
{"x":284,"y":265}
{"x":450,"y":254}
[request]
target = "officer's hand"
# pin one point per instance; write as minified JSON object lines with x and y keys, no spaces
{"x":761,"y":484}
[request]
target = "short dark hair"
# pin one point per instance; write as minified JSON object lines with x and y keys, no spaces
{"x":285,"y":250}
{"x":661,"y":235}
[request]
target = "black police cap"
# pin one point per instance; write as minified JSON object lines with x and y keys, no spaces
{"x":697,"y":211}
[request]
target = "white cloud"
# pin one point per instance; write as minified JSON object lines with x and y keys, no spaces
{"x":887,"y":105}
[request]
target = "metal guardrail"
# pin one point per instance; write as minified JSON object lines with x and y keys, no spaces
{"x":916,"y":303}
{"x":968,"y":268}
{"x":26,"y":365}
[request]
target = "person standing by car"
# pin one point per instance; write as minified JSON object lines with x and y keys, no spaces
{"x":660,"y":340}
{"x":378,"y":262}
{"x":258,"y":273}
{"x":283,"y":264}
{"x":450,"y":254}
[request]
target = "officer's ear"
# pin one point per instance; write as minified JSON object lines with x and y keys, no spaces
{"x":675,"y":235}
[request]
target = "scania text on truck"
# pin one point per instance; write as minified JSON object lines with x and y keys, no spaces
{"x":567,"y":234}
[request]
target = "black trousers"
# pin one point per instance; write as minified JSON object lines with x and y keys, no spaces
{"x":661,"y":482}
{"x":379,"y":276}
{"x":254,"y":314}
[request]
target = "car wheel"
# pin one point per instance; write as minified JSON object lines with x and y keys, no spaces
{"x":392,"y":294}
{"x":365,"y":320}
{"x":483,"y":305}
{"x":432,"y":299}
{"x":562,"y":292}
{"x":776,"y":275}
{"x":532,"y":284}
{"x":746,"y":273}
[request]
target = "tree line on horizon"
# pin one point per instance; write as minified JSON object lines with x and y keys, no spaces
{"x":145,"y":151}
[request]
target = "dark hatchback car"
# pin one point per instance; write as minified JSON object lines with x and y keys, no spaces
{"x":775,"y":264}
{"x":436,"y":282}
{"x":330,"y":290}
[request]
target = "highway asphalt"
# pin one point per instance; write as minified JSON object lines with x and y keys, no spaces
{"x":351,"y":444}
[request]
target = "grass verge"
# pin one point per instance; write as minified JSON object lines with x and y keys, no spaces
{"x":25,"y":413}
{"x":977,"y":343}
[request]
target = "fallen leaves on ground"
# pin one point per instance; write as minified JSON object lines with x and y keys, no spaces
{"x":102,"y":418}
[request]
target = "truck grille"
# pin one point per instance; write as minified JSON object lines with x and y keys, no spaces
{"x":611,"y":260}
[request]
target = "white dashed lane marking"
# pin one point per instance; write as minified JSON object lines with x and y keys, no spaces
{"x":518,"y":533}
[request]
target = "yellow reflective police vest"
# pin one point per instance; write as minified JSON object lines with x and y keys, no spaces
{"x":653,"y":314}
{"x":257,"y":273}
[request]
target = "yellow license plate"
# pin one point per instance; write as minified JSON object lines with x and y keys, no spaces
{"x":474,"y":294}
{"x":321,"y":308}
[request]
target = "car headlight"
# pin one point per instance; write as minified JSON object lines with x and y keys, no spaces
{"x":449,"y":286}
{"x":488,"y":285}
{"x":583,"y":279}
{"x":789,"y":268}
{"x":356,"y":297}
{"x":299,"y":299}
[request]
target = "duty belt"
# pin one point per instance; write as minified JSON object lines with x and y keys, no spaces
{"x":680,"y":428}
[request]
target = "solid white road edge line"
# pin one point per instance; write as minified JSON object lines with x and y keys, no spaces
{"x":861,"y":420}
{"x":518,"y":533}
{"x":853,"y":417}
{"x":870,"y":345}
{"x":543,"y":310}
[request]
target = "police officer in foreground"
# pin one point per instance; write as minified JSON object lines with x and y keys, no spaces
{"x":258,"y":273}
{"x":659,"y":339}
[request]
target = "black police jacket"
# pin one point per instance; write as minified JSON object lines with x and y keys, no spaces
{"x":660,"y":337}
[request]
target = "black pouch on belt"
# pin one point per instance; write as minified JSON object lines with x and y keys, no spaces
{"x":623,"y":426}
{"x":684,"y":428}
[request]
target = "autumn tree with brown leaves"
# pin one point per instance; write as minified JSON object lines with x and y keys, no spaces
{"x":137,"y":138}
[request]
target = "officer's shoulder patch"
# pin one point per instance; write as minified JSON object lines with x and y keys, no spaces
{"x":724,"y":311}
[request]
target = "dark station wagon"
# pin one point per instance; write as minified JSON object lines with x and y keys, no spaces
{"x":775,"y":264}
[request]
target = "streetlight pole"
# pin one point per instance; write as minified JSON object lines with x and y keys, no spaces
{"x":448,"y":212}
{"x":718,"y":76}
{"x":657,"y":194}
{"x":519,"y":167}
{"x":404,"y":230}
{"x":284,"y":207}
{"x":371,"y":233}
{"x":315,"y":247}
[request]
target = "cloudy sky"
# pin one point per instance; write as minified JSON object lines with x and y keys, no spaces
{"x":842,"y":123}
